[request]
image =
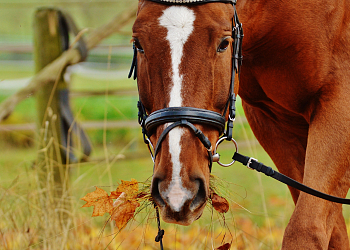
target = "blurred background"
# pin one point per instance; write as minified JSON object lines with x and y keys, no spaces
{"x":103,"y":101}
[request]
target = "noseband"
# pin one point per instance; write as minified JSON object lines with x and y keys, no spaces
{"x":187,"y":116}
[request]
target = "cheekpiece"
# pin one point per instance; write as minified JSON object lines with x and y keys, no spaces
{"x":193,"y":1}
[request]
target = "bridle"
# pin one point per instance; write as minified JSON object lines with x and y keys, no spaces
{"x":187,"y":116}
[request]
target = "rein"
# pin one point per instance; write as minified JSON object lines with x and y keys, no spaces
{"x":186,"y":116}
{"x":252,"y":163}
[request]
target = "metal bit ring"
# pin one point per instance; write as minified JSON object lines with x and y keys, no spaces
{"x":215,"y":154}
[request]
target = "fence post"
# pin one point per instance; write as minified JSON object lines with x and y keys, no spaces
{"x":55,"y":120}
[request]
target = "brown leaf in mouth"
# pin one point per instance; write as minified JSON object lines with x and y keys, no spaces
{"x":226,"y":246}
{"x":123,"y":208}
{"x":219,"y":203}
{"x":123,"y":212}
{"x":100,"y":200}
{"x":130,"y":188}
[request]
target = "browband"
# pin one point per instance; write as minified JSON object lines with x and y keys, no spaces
{"x":192,"y":1}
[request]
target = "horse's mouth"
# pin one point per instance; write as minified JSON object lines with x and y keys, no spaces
{"x":184,"y":218}
{"x":188,"y":212}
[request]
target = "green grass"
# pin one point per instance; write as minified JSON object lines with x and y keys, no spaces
{"x":81,"y":83}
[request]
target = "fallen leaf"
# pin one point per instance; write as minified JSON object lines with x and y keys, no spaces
{"x":226,"y":246}
{"x":100,"y":200}
{"x":115,"y":195}
{"x":130,"y":188}
{"x":120,"y":200}
{"x":123,"y":212}
{"x":220,"y":204}
{"x":123,"y":208}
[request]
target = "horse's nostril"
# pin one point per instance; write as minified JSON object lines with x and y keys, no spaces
{"x":201,"y":195}
{"x":155,"y":193}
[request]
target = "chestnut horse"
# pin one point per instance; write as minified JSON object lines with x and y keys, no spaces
{"x":295,"y":88}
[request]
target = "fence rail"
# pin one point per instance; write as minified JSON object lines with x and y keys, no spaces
{"x":102,"y":48}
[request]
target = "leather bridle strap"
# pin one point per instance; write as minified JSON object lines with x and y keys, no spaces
{"x":237,"y":58}
{"x":258,"y":166}
{"x":193,"y":115}
{"x":182,"y":2}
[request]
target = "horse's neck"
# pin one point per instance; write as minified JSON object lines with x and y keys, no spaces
{"x":263,"y":19}
{"x":281,"y":39}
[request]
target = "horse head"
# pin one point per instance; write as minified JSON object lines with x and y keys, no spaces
{"x":184,"y":59}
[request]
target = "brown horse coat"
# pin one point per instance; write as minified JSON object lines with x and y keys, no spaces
{"x":295,"y":89}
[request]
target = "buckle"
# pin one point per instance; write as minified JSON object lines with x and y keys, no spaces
{"x":250,"y":162}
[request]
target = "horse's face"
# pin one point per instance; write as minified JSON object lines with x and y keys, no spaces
{"x":184,"y":59}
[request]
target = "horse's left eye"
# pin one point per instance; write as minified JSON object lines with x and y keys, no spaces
{"x":224,"y":45}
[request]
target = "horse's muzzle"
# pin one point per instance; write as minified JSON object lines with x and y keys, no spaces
{"x":177,"y":204}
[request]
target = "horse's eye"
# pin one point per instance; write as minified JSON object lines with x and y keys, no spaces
{"x":138,"y":46}
{"x":224,"y":45}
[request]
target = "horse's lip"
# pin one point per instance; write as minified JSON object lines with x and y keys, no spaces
{"x":181,"y":218}
{"x":199,"y":215}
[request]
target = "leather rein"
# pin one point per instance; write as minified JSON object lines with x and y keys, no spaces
{"x":186,"y":116}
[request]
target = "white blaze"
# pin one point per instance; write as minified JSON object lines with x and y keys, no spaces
{"x":179,"y":22}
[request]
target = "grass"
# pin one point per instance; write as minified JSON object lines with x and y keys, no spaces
{"x":20,"y":194}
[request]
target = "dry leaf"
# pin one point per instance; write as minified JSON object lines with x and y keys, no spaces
{"x":120,"y":200}
{"x":124,"y":212}
{"x":220,"y":204}
{"x":124,"y":207}
{"x":115,"y":195}
{"x":226,"y":246}
{"x":100,"y":200}
{"x":130,"y":188}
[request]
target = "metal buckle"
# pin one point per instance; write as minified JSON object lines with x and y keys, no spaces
{"x":231,"y":119}
{"x":216,"y":156}
{"x":250,"y":162}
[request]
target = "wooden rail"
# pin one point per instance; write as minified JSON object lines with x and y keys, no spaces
{"x":117,"y":92}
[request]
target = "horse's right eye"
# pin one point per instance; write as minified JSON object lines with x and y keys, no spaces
{"x":138,"y":46}
{"x":224,"y":44}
